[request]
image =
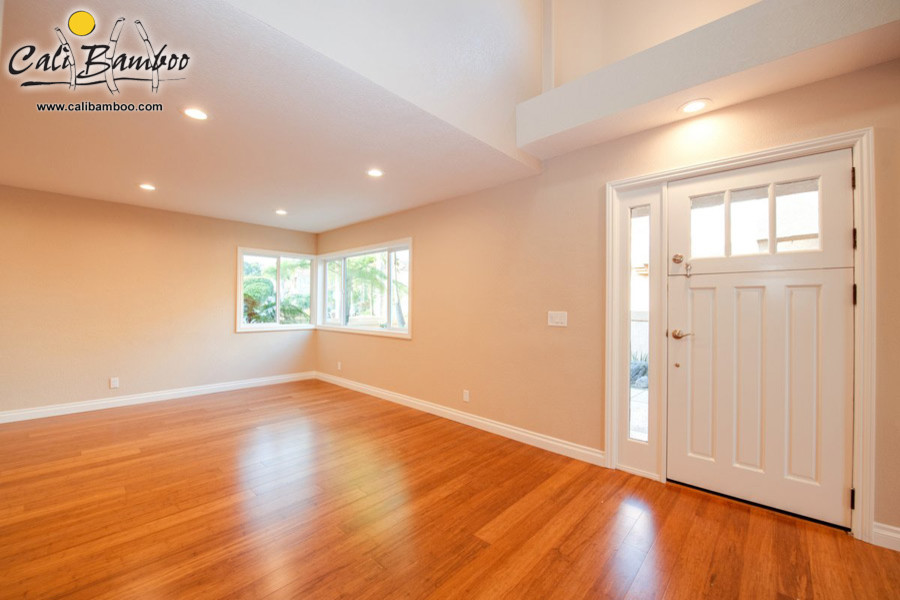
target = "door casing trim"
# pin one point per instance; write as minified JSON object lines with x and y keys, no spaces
{"x":862,"y":144}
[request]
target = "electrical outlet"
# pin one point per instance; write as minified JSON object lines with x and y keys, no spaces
{"x":465,"y":395}
{"x":113,"y":383}
{"x":339,"y":365}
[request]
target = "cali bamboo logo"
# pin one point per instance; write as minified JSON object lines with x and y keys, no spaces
{"x":97,"y":64}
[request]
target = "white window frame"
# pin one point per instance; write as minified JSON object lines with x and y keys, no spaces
{"x":240,"y":326}
{"x":343,"y":255}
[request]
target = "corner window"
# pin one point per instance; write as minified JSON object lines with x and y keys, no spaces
{"x":367,"y":290}
{"x":274,"y":290}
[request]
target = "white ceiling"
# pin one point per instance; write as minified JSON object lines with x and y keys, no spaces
{"x":290,"y":128}
{"x":306,"y":96}
{"x":468,"y":62}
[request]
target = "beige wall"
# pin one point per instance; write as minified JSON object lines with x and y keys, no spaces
{"x":589,"y":34}
{"x":488,"y":267}
{"x":90,"y":290}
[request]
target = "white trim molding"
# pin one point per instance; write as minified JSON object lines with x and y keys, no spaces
{"x":55,"y":410}
{"x":861,"y":142}
{"x":539,"y":440}
{"x":886,"y":536}
{"x":865,"y":332}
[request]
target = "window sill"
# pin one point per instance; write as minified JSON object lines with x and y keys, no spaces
{"x":268,"y":328}
{"x":403,"y":335}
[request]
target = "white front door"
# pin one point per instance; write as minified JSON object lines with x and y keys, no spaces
{"x":760,"y":334}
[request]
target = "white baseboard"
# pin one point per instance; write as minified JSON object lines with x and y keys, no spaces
{"x":55,"y":410}
{"x":545,"y":442}
{"x":639,"y":472}
{"x":887,"y":536}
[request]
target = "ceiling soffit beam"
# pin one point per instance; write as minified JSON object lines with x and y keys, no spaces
{"x":636,"y":92}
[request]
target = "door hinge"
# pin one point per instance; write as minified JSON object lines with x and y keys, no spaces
{"x":853,"y":177}
{"x":854,"y":238}
{"x":852,"y":498}
{"x":854,"y":294}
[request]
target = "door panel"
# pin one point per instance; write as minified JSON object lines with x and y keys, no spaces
{"x":759,"y":394}
{"x":803,"y":311}
{"x":749,"y":371}
{"x":701,"y":393}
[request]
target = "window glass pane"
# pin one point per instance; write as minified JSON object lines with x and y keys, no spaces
{"x":295,"y":290}
{"x":260,"y":274}
{"x":366,"y":296}
{"x":333,"y":291}
{"x":708,"y":226}
{"x":797,"y":215}
{"x":750,"y":221}
{"x":400,"y":289}
{"x":638,"y":414}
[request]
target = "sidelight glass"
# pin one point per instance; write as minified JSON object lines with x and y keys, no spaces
{"x":639,"y":365}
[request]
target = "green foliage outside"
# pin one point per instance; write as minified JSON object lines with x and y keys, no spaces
{"x":260,"y":302}
{"x":367,"y":279}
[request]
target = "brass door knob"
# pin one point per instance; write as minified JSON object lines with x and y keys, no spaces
{"x":679,"y":334}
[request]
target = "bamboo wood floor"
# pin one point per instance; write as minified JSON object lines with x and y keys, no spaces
{"x":308,"y":490}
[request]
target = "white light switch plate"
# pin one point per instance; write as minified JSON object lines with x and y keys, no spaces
{"x":557,"y":318}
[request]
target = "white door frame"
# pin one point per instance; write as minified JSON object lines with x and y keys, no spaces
{"x":862,"y":144}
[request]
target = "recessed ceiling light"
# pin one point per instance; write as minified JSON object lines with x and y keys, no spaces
{"x":148,"y":186}
{"x":280,"y":212}
{"x":375,"y":172}
{"x":695,"y":105}
{"x":196,"y":113}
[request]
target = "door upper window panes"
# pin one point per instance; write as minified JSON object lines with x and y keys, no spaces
{"x":708,"y":226}
{"x":750,"y":221}
{"x":797,"y":216}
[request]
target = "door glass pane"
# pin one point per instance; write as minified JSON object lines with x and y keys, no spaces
{"x":638,"y":414}
{"x":366,"y":298}
{"x":260,"y":275}
{"x":400,"y":289}
{"x":295,"y":292}
{"x":708,"y":226}
{"x":750,"y":221}
{"x":333,"y":291}
{"x":797,"y":216}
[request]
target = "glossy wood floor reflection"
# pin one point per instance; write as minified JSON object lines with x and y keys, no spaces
{"x":308,"y":490}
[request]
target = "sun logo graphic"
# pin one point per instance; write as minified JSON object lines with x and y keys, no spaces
{"x":98,"y":63}
{"x":82,"y":23}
